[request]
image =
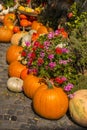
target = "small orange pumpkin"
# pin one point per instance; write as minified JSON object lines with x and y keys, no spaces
{"x":35,"y":25}
{"x":24,"y":22}
{"x":22,"y":16}
{"x":42,"y":30}
{"x":13,"y":53}
{"x":16,"y":29}
{"x":31,"y":83}
{"x":50,"y":102}
{"x":9,"y":18}
{"x":15,"y":69}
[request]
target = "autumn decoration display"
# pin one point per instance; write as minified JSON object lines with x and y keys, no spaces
{"x":48,"y":65}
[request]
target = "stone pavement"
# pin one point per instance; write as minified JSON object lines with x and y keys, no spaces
{"x":16,"y":109}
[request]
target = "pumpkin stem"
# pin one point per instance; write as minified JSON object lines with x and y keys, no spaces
{"x":49,"y":83}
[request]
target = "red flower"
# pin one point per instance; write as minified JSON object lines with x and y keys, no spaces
{"x":36,"y":44}
{"x":34,"y":48}
{"x":30,"y":62}
{"x":33,"y":55}
{"x":58,"y":50}
{"x":40,"y":61}
{"x":23,"y":53}
{"x":59,"y":80}
{"x":41,"y":46}
{"x":35,"y":71}
{"x":61,"y":30}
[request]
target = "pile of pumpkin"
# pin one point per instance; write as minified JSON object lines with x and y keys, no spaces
{"x":17,"y":23}
{"x":48,"y":101}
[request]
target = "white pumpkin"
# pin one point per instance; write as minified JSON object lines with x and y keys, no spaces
{"x":28,"y":36}
{"x":15,"y":84}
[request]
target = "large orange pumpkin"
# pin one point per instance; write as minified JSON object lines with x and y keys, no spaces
{"x":13,"y":53}
{"x":31,"y":83}
{"x":50,"y":102}
{"x":15,"y":69}
{"x":5,"y":34}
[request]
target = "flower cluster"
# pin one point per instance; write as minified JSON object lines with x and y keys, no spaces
{"x":49,"y":57}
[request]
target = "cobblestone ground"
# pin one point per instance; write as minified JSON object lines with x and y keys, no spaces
{"x":15,"y":108}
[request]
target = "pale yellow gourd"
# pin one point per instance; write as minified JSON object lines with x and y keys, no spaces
{"x":78,"y":107}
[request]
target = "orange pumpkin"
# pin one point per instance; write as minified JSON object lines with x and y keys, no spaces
{"x":50,"y":102}
{"x":9,"y":18}
{"x":24,"y":73}
{"x":22,"y":16}
{"x":15,"y":69}
{"x":42,"y":30}
{"x":5,"y":34}
{"x":35,"y":25}
{"x":13,"y":53}
{"x":31,"y":83}
{"x":10,"y":26}
{"x":16,"y":29}
{"x":24,"y":22}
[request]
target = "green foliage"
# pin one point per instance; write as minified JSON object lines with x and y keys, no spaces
{"x":77,"y":26}
{"x":78,"y":17}
{"x":81,"y":83}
